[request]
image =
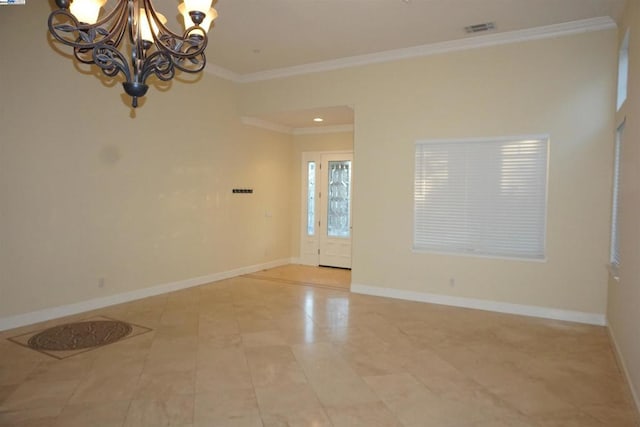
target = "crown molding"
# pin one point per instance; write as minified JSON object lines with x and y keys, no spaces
{"x":265,"y":124}
{"x":222,"y":72}
{"x":322,"y":129}
{"x":548,"y":31}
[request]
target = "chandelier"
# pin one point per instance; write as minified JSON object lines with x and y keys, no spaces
{"x":152,"y":49}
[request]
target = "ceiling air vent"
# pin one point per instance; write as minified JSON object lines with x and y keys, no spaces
{"x":478,"y":28}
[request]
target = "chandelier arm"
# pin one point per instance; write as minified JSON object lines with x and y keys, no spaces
{"x":160,"y":64}
{"x":111,"y":61}
{"x":88,"y":35}
{"x":197,"y":63}
{"x":84,"y":55}
{"x":192,"y":43}
{"x":183,"y":49}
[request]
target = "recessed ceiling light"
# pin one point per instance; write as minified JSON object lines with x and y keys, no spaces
{"x":318,"y":119}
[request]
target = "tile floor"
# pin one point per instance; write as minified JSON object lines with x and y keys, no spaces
{"x":254,"y":352}
{"x":327,"y":277}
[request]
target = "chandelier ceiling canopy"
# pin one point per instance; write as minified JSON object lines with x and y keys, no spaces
{"x":152,"y":49}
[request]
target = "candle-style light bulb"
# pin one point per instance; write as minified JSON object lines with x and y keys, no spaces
{"x":145,"y":28}
{"x":86,"y":11}
{"x":211,"y":15}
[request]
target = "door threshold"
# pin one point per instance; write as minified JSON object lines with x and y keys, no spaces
{"x":338,"y":268}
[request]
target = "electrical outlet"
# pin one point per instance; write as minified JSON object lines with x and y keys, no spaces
{"x":452,"y":282}
{"x":101,"y":282}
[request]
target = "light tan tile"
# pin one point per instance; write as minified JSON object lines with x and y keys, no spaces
{"x":512,"y":421}
{"x":223,"y":369}
{"x":338,"y":392}
{"x":303,"y":274}
{"x":264,"y":338}
{"x":531,"y":397}
{"x":171,"y":355}
{"x":291,"y":405}
{"x":229,"y":408}
{"x":180,"y":345}
{"x":17,"y":362}
{"x":157,"y":386}
{"x":321,"y":361}
{"x":37,"y":394}
{"x":377,"y":363}
{"x":99,"y":387}
{"x":172,"y":410}
{"x":214,"y":356}
{"x":103,"y":414}
{"x":218,"y":341}
{"x":216,"y":326}
{"x":568,"y":418}
{"x":414,"y":404}
{"x":251,"y":324}
{"x":66,"y":369}
{"x":117,"y":360}
{"x":305,"y":333}
{"x":618,"y":414}
{"x":223,"y":379}
{"x":6,"y":390}
{"x":584,"y":389}
{"x":274,"y":365}
{"x":374,"y":414}
{"x":33,"y":417}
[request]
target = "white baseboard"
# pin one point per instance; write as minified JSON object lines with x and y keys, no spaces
{"x":16,"y":321}
{"x":479,"y":304}
{"x":625,"y":371}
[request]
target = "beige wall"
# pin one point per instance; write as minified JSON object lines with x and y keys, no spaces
{"x":624,"y":296}
{"x":88,"y":192}
{"x":342,"y":141}
{"x":562,"y":86}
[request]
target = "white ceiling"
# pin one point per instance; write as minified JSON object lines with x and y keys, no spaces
{"x":254,"y":36}
{"x":258,"y":35}
{"x":303,"y":119}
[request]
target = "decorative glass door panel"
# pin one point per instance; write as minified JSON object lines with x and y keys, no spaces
{"x":311,"y":198}
{"x":339,"y":199}
{"x":334,"y":203}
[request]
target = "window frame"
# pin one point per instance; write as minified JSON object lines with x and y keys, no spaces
{"x":614,"y":246}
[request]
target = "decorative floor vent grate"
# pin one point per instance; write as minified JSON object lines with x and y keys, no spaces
{"x":69,"y":339}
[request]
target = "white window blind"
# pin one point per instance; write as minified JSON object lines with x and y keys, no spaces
{"x":484,"y":197}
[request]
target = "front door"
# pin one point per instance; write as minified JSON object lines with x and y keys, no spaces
{"x":334,"y":201}
{"x":326,"y":232}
